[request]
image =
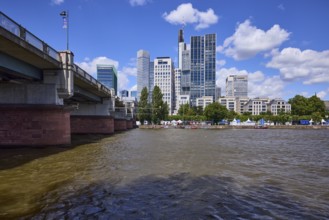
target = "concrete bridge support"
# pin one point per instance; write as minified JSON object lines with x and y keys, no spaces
{"x":92,"y":118}
{"x":34,"y":125}
{"x":32,"y":113}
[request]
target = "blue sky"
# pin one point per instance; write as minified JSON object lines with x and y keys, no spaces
{"x":281,"y":44}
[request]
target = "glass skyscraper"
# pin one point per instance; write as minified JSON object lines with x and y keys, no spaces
{"x":143,"y":72}
{"x":203,"y":67}
{"x":107,"y":74}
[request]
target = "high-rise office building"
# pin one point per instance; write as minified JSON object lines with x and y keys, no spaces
{"x":107,"y":74}
{"x":143,"y":71}
{"x":203,"y":66}
{"x":178,"y":73}
{"x":184,"y":63}
{"x":151,"y":81}
{"x":237,"y":86}
{"x":164,"y":78}
{"x":181,"y":48}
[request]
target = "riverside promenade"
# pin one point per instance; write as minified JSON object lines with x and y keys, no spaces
{"x":219,"y":127}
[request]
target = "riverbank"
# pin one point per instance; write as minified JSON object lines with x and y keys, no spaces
{"x":232,"y":127}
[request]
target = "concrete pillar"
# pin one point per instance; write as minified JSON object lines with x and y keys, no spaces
{"x":92,"y":118}
{"x":129,"y":124}
{"x":84,"y":124}
{"x":34,"y":125}
{"x":120,"y":124}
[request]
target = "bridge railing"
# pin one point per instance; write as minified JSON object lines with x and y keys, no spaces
{"x":16,"y":29}
{"x":92,"y":80}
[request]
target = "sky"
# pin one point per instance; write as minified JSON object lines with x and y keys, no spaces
{"x":283,"y":45}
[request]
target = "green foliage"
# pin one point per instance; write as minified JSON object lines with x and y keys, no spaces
{"x":306,"y":106}
{"x":316,"y":116}
{"x":160,"y":110}
{"x":215,"y":112}
{"x":144,"y":107}
{"x":183,"y":109}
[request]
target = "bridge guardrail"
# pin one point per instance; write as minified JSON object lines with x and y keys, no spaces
{"x":16,"y":29}
{"x":91,"y":79}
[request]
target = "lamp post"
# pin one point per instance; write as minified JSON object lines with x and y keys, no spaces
{"x":65,"y":16}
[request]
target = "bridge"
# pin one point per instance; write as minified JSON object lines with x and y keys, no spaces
{"x":45,"y":97}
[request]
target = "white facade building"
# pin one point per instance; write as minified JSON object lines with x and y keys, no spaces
{"x":164,"y":78}
{"x":234,"y":103}
{"x":204,"y":101}
{"x":279,"y":105}
{"x":256,"y":106}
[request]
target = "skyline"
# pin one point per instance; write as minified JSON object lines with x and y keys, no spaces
{"x":281,"y":45}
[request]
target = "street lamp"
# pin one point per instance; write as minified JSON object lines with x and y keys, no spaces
{"x":65,"y":16}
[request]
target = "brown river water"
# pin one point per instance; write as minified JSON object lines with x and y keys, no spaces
{"x":171,"y":174}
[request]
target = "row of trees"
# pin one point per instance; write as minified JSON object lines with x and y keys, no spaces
{"x":154,"y":111}
{"x":302,"y":108}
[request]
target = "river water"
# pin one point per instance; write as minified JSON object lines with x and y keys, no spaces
{"x":171,"y":174}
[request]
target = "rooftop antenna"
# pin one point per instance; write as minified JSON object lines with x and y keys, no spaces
{"x":181,"y":35}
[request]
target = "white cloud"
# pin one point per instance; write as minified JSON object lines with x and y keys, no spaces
{"x":138,"y":2}
{"x":220,"y":63}
{"x":90,"y":66}
{"x":259,"y":85}
{"x":281,"y":7}
{"x":248,"y":40}
{"x":308,"y":65}
{"x":186,"y":14}
{"x":57,"y":2}
{"x":322,"y":94}
{"x":134,"y":88}
{"x":123,"y":77}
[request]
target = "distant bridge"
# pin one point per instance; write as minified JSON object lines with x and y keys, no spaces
{"x":44,"y":96}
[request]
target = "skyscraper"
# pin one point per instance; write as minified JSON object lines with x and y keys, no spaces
{"x":203,"y":66}
{"x":181,"y":48}
{"x":184,"y":61}
{"x":164,"y":78}
{"x":151,"y":80}
{"x":143,"y":71}
{"x":237,"y":86}
{"x":107,"y":74}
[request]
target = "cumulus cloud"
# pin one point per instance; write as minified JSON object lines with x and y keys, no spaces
{"x":248,"y":40}
{"x":133,"y":88}
{"x":138,"y":2}
{"x":322,"y":94}
{"x":186,"y":14}
{"x":308,"y":65}
{"x":220,"y":63}
{"x":259,"y":85}
{"x":57,"y":2}
{"x":281,"y":7}
{"x":123,"y":77}
{"x":90,"y":66}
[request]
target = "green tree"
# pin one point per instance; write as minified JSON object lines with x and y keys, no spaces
{"x":231,"y":115}
{"x":144,"y":107}
{"x":183,"y":109}
{"x":160,"y":109}
{"x":316,"y":116}
{"x":215,"y":112}
{"x":299,"y":105}
{"x":306,"y":106}
{"x":316,"y":105}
